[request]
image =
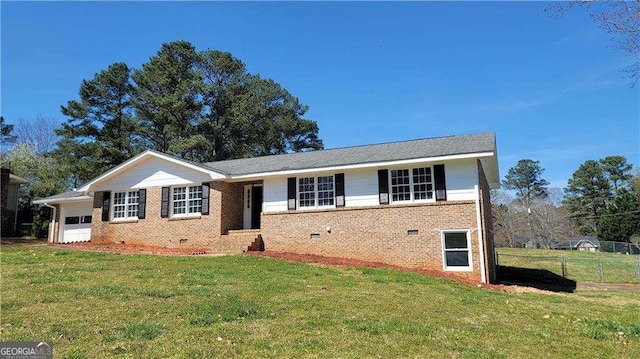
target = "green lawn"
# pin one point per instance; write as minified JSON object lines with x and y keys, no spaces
{"x":580,"y":266}
{"x":93,"y":305}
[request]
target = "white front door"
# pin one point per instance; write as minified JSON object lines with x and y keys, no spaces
{"x":248,"y":189}
{"x":76,"y":222}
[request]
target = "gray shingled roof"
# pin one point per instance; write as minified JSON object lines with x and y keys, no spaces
{"x":61,"y":197}
{"x":384,"y":152}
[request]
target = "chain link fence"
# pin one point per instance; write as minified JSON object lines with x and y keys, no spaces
{"x":622,"y":269}
{"x":619,"y":247}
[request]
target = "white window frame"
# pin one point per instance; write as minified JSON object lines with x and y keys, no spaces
{"x":412,"y":193}
{"x":189,"y":190}
{"x":128,"y":201}
{"x":316,"y":192}
{"x":469,"y":250}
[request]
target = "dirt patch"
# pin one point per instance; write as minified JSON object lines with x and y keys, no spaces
{"x":125,"y":248}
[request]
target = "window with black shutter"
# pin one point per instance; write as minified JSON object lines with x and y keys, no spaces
{"x":383,"y":186}
{"x":291,"y":193}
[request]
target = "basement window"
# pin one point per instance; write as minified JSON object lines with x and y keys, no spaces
{"x":315,"y":235}
{"x":456,"y":250}
{"x":412,"y":232}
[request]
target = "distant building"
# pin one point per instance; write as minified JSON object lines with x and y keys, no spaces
{"x":10,"y":184}
{"x":584,"y":243}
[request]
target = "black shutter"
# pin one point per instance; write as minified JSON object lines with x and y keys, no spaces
{"x":142,"y":203}
{"x":339,"y":189}
{"x":205,"y":199}
{"x":164,"y":206}
{"x":440,"y":182}
{"x":383,"y":186}
{"x":291,"y":193}
{"x":106,"y":203}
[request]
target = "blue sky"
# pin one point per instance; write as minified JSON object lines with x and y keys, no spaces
{"x":370,"y":72}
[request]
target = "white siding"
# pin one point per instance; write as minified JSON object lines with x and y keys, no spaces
{"x":461,"y":177}
{"x":361,"y":185}
{"x":275,"y":194}
{"x":152,"y":172}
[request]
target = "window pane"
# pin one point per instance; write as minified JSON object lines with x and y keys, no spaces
{"x":119,"y":204}
{"x":71,"y":220}
{"x":179,"y":196}
{"x":306,"y":192}
{"x":195,"y":199}
{"x":457,"y":258}
{"x":325,"y":191}
{"x":133,"y":199}
{"x":455,"y":240}
{"x":400,"y":189}
{"x":422,"y":186}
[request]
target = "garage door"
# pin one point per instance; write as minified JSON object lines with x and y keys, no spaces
{"x":76,"y":223}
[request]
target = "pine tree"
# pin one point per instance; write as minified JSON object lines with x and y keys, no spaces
{"x":100,"y":131}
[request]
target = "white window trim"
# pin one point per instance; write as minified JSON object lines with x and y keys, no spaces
{"x":126,"y":204}
{"x":468,"y":268}
{"x":315,"y":191}
{"x":186,"y":214}
{"x":411,"y":188}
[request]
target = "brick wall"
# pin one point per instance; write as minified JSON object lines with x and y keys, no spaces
{"x":375,"y":233}
{"x":231,"y":204}
{"x":199,"y":231}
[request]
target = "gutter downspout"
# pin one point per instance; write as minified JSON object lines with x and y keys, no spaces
{"x":480,"y":236}
{"x":52,"y":224}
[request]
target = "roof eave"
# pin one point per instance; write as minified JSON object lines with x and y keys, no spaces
{"x":62,"y":200}
{"x":251,"y":176}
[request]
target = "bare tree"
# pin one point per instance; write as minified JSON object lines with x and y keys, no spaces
{"x":621,"y":19}
{"x":541,"y":222}
{"x":37,"y":132}
{"x":549,"y":222}
{"x":509,"y":221}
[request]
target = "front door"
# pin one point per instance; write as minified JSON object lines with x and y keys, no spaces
{"x":252,"y":205}
{"x":256,"y":205}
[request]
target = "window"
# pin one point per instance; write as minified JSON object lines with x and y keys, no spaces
{"x":400,"y":188}
{"x":306,"y":192}
{"x":310,"y":195}
{"x":456,"y":250}
{"x":325,"y":191}
{"x":422,"y":183}
{"x":415,"y":187}
{"x":186,"y":200}
{"x":72,"y":220}
{"x":125,"y":204}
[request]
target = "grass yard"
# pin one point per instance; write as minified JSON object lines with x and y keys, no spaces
{"x":94,"y":305}
{"x":581,"y":266}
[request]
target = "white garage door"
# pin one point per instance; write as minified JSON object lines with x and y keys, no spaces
{"x":76,"y":222}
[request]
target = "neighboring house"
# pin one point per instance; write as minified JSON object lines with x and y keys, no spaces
{"x":584,"y":243}
{"x":10,"y":185}
{"x":421,"y":203}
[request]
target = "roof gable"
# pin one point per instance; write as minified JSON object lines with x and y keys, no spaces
{"x":156,"y":172}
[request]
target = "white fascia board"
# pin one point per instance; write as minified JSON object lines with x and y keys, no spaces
{"x":87,"y":187}
{"x":61,"y":200}
{"x":363,"y":165}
